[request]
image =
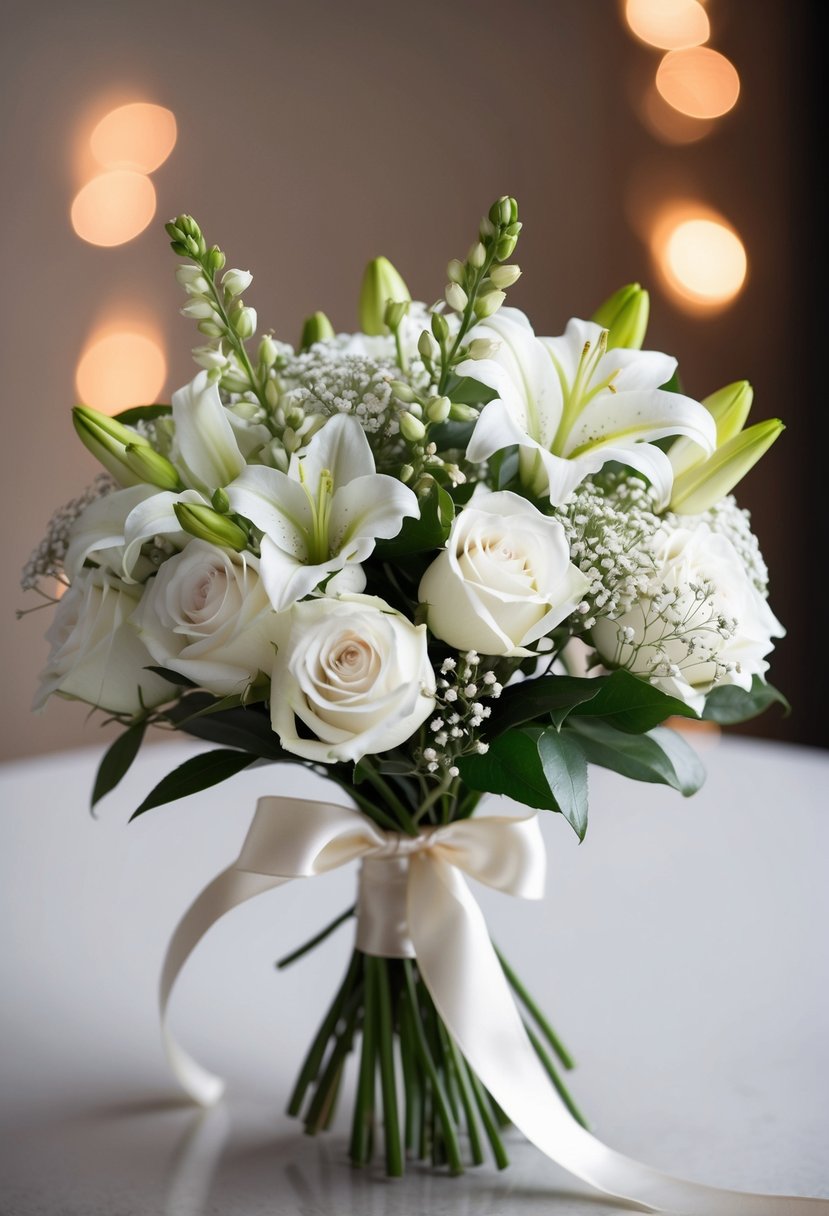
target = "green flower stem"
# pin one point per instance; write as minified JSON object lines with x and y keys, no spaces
{"x":434,"y":796}
{"x":234,"y":339}
{"x":383,"y":788}
{"x":362,"y":1127}
{"x":444,"y":1114}
{"x":313,"y":1060}
{"x":488,"y":1120}
{"x":412,"y":1077}
{"x":321,"y":1107}
{"x":533,"y":1009}
{"x":460,"y":1075}
{"x":376,"y":813}
{"x":552,"y":1072}
{"x":317,"y":939}
{"x":385,"y":1045}
{"x":466,"y":321}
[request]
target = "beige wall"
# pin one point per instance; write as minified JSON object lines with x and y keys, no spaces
{"x":313,"y":136}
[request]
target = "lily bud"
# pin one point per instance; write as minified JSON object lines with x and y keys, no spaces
{"x":477,"y":255}
{"x":505,"y":247}
{"x":411,"y":428}
{"x":625,"y":317}
{"x":710,"y":480}
{"x":244,"y":322}
{"x":152,"y":468}
{"x":455,"y":297}
{"x":440,"y":327}
{"x":206,"y":524}
{"x":317,"y":328}
{"x":381,"y":283}
{"x":107,"y":440}
{"x":221,"y":502}
{"x":729,"y":408}
{"x":504,"y":276}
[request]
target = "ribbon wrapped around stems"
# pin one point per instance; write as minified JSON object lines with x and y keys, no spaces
{"x":414,"y":902}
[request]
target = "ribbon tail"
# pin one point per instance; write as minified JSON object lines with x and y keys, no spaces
{"x":229,"y":889}
{"x":462,"y":972}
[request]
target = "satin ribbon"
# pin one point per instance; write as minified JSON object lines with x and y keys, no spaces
{"x":414,"y":902}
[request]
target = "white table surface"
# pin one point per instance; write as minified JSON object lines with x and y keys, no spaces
{"x":680,"y":951}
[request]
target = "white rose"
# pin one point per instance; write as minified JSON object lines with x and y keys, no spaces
{"x":207,"y":615}
{"x":96,"y":654}
{"x":504,"y":580}
{"x":700,"y":621}
{"x":355,"y":674}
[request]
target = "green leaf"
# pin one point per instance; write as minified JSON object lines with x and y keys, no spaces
{"x":248,"y":729}
{"x":532,"y":699}
{"x":467,"y":391}
{"x":660,"y":756}
{"x":118,"y":759}
{"x":565,"y":769}
{"x":511,"y":766}
{"x":196,"y":774}
{"x":728,"y":704}
{"x":143,"y":413}
{"x":437,"y":510}
{"x":631,"y":704}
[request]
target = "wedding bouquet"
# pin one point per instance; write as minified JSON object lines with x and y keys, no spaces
{"x":437,"y":559}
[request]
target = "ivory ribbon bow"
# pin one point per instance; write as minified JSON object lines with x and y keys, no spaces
{"x":414,"y":902}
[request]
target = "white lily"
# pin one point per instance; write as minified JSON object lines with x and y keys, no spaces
{"x":206,"y":452}
{"x":323,"y":514}
{"x":571,"y":405}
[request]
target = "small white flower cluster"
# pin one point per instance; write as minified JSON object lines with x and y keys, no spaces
{"x":459,"y":713}
{"x":610,"y":523}
{"x":682,"y":627}
{"x":46,"y":560}
{"x":734,"y":523}
{"x":324,"y":380}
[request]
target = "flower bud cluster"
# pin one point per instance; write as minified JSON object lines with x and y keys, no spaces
{"x":460,"y":712}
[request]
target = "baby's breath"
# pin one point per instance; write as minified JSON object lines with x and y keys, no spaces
{"x":46,"y":561}
{"x":460,"y":713}
{"x":734,"y":523}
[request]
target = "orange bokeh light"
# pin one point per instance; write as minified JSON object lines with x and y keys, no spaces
{"x":119,"y":368}
{"x":698,"y":82}
{"x":668,"y":24}
{"x":113,"y":207}
{"x":138,"y":136}
{"x":667,"y":124}
{"x":701,"y":258}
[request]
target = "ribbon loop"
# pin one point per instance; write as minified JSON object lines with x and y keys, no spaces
{"x":414,"y":902}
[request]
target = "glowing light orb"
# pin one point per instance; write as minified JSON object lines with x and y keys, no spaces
{"x":119,"y":369}
{"x":113,"y":207}
{"x":138,"y":136}
{"x":698,"y":82}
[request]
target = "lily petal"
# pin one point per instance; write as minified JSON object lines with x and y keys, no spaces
{"x":339,"y":448}
{"x":637,"y":417}
{"x":276,"y":504}
{"x":101,"y":528}
{"x":208,"y":455}
{"x":367,"y":508}
{"x":155,"y":517}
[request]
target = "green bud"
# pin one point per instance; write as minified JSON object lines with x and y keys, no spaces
{"x":486,"y":229}
{"x":440,"y":327}
{"x":504,"y":276}
{"x":428,"y":348}
{"x":455,"y":271}
{"x":215,"y":260}
{"x":455,"y":297}
{"x":152,"y":468}
{"x":411,"y":428}
{"x":706,"y":483}
{"x":266,"y":354}
{"x":403,"y":391}
{"x":290,"y":440}
{"x":295,"y":417}
{"x":482,"y":348}
{"x":459,"y":412}
{"x":730,"y":408}
{"x":244,"y":321}
{"x":221,"y":502}
{"x":211,"y":329}
{"x":107,"y":440}
{"x":501,"y":212}
{"x":625,"y":317}
{"x":272,"y":393}
{"x":206,"y":524}
{"x":477,"y":255}
{"x":394,"y":313}
{"x":406,"y":473}
{"x":317,"y":328}
{"x":437,"y":409}
{"x":505,"y":248}
{"x":381,"y":283}
{"x":488,"y":303}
